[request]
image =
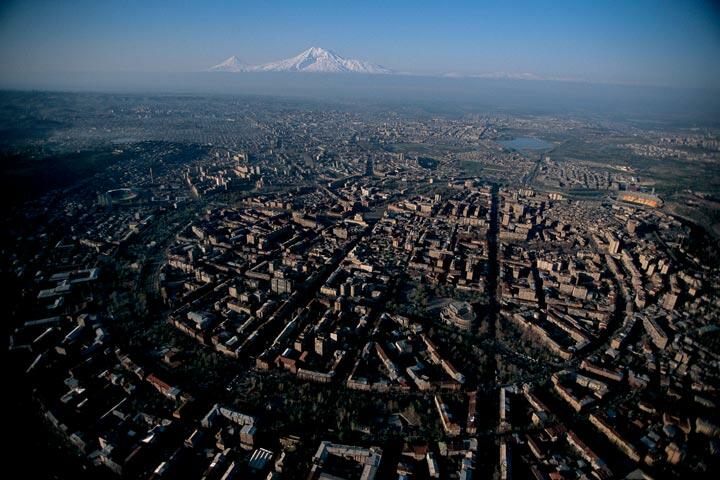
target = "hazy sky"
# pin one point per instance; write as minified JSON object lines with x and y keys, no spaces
{"x":662,"y":42}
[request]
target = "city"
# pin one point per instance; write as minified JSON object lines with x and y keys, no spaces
{"x":361,"y":240}
{"x":455,"y":302}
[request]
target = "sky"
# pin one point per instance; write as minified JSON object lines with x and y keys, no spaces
{"x":663,"y":42}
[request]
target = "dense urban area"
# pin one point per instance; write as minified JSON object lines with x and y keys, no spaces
{"x":217,"y":287}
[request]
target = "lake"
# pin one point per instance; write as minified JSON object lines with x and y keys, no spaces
{"x":526,"y":143}
{"x":428,"y":163}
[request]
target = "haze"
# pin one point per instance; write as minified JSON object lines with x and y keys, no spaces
{"x":642,"y":42}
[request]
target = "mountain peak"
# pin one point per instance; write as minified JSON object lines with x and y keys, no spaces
{"x":316,"y":51}
{"x":319,"y":52}
{"x":232,"y":64}
{"x":314,"y":59}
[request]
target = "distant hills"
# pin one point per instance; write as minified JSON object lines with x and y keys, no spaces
{"x":320,"y":60}
{"x":314,"y":60}
{"x":232,"y":64}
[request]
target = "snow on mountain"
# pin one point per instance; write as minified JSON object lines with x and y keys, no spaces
{"x":496,"y":75}
{"x":232,"y":64}
{"x":510,"y":76}
{"x":313,"y":59}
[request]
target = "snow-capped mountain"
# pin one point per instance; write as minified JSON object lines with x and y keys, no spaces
{"x":511,"y":76}
{"x":313,"y":59}
{"x":232,"y":64}
{"x":320,"y":60}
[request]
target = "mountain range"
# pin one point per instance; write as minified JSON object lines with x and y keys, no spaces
{"x":315,"y":60}
{"x":320,"y":60}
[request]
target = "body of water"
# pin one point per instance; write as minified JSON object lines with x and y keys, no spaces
{"x":429,"y":163}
